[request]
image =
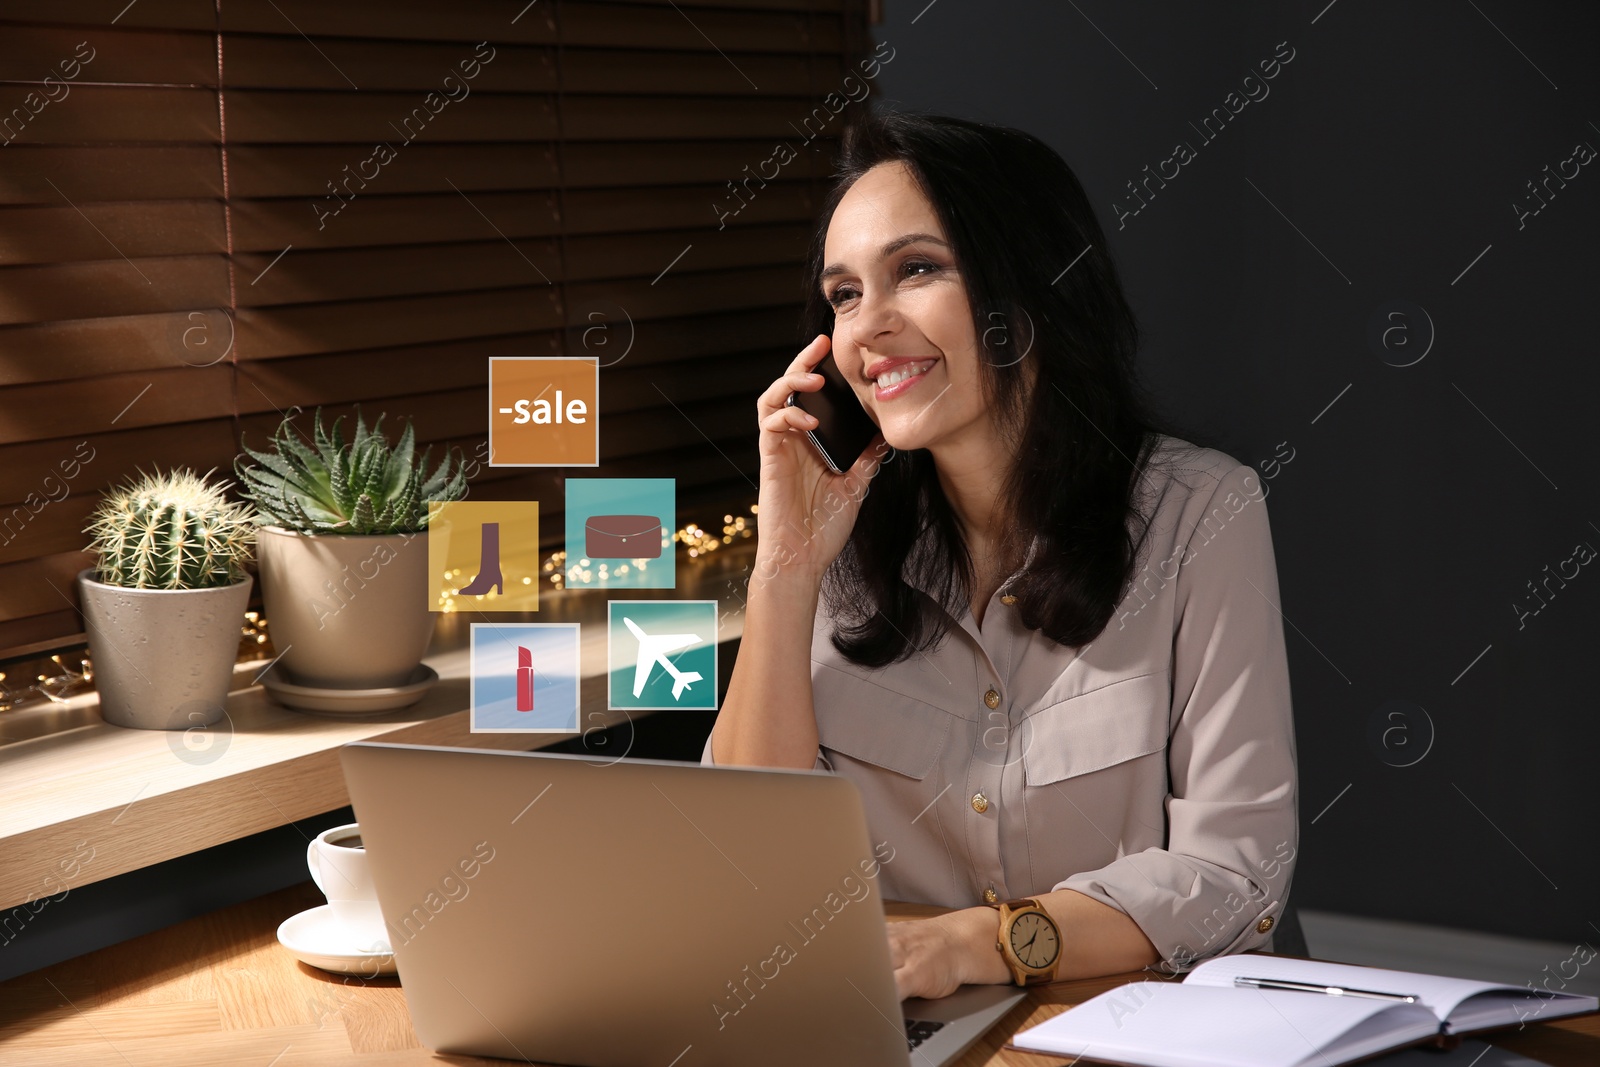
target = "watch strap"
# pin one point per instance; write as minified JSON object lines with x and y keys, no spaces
{"x":1016,"y":904}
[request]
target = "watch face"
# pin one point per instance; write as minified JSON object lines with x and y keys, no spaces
{"x":1033,"y":939}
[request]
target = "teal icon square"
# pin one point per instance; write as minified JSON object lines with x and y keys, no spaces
{"x":619,"y":533}
{"x":524,"y":677}
{"x":661,"y":655}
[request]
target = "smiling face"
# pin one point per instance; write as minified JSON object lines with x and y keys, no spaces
{"x":903,"y":334}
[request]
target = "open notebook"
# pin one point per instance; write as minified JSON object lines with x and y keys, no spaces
{"x":1208,"y":1021}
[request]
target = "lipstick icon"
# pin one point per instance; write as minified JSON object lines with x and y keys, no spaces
{"x":524,"y":679}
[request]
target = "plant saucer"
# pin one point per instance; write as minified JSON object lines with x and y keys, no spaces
{"x":335,"y":701}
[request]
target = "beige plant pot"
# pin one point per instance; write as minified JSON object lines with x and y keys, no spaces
{"x":163,"y":658}
{"x":346,"y":611}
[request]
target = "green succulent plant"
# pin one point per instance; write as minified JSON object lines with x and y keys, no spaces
{"x":364,"y":487}
{"x":171,"y":531}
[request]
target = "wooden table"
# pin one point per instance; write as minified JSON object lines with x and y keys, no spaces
{"x":219,"y":989}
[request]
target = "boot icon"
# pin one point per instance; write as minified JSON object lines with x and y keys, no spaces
{"x":488,"y":564}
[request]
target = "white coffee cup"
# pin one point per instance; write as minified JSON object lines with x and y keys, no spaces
{"x":339,"y":866}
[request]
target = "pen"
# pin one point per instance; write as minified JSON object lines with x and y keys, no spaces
{"x":1330,"y":990}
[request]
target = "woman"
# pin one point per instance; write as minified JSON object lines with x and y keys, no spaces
{"x":1045,"y":645}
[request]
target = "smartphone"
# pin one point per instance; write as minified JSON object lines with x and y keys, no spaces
{"x":844,"y":429}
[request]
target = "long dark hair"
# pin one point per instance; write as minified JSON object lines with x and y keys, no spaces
{"x":1084,"y":431}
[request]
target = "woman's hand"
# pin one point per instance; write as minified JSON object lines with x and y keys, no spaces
{"x":934,"y":957}
{"x":806,"y":511}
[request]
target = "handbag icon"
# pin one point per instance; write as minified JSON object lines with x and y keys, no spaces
{"x":622,"y":537}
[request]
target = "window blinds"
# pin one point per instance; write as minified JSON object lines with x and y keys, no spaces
{"x":213,"y":212}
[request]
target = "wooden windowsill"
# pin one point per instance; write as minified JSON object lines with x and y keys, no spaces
{"x":70,"y":783}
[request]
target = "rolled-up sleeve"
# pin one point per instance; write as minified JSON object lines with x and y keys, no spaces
{"x":1220,"y":884}
{"x":821,"y":763}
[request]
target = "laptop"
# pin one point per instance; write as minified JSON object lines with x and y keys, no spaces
{"x":564,"y":909}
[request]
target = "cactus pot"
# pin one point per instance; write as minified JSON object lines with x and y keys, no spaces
{"x":346,"y":611}
{"x":163,"y":658}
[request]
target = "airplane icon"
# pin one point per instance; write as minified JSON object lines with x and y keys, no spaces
{"x":653,"y":650}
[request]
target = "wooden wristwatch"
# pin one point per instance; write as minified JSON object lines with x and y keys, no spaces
{"x":1029,"y":941}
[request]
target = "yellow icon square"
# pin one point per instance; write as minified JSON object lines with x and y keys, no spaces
{"x":483,"y":555}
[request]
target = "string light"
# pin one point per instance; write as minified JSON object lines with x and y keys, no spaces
{"x":58,"y":688}
{"x":55,"y":688}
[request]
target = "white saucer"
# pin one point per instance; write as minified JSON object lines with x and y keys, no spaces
{"x":317,"y":938}
{"x":349,"y":701}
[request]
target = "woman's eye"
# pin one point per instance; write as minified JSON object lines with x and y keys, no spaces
{"x":913,"y":268}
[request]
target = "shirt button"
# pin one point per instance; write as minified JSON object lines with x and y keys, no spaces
{"x":992,"y":699}
{"x":989,"y":895}
{"x":1008,"y":599}
{"x":1264,"y":925}
{"x":980,"y":803}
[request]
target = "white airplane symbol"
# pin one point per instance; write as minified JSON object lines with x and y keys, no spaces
{"x":653,"y":650}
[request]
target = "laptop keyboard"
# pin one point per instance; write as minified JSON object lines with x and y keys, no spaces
{"x":919,"y":1030}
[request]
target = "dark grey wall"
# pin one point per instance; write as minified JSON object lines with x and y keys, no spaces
{"x":1382,"y":165}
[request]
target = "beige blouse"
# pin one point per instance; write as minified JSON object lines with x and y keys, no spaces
{"x":1153,"y":769}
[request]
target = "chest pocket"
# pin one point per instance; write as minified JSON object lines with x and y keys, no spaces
{"x":896,"y":734}
{"x":1105,"y":726}
{"x":892,"y":718}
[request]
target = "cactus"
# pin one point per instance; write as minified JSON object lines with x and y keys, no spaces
{"x":171,"y":531}
{"x":364,"y":487}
